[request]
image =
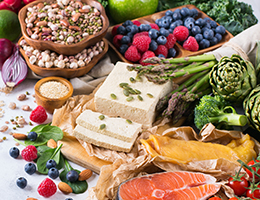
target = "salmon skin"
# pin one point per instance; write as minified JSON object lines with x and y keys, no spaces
{"x":179,"y":185}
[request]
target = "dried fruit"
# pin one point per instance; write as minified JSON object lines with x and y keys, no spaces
{"x":85,"y":174}
{"x":64,"y":187}
{"x":19,"y":136}
{"x":52,"y":143}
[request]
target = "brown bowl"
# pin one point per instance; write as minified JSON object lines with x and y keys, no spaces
{"x":50,"y":104}
{"x":66,"y":73}
{"x":61,"y":48}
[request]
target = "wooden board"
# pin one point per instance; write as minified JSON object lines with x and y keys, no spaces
{"x":76,"y":153}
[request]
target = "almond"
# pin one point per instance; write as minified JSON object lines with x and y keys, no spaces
{"x":64,"y":187}
{"x":19,"y":136}
{"x":85,"y":174}
{"x":30,"y":198}
{"x":51,"y":143}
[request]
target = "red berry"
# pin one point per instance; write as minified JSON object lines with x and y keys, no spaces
{"x":38,"y":115}
{"x":143,"y":33}
{"x":154,"y":26}
{"x":137,"y":23}
{"x":191,"y":44}
{"x":47,"y":188}
{"x":171,"y":40}
{"x":117,"y":40}
{"x":29,"y":153}
{"x":147,"y":54}
{"x":132,"y":54}
{"x":114,"y":29}
{"x":142,"y":43}
{"x":181,"y":33}
{"x":161,"y":50}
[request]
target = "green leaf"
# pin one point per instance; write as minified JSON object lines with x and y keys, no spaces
{"x":42,"y":149}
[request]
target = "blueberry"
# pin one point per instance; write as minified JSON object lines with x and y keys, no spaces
{"x":198,"y":37}
{"x":161,"y":56}
{"x":168,"y":13}
{"x":213,"y":41}
{"x":153,"y":33}
{"x":194,"y":12}
{"x":125,"y":39}
{"x":169,"y":19}
{"x":207,"y":25}
{"x":133,"y":29}
{"x":144,"y":27}
{"x":127,"y":23}
{"x":185,"y":12}
{"x":21,"y":182}
{"x":189,"y":19}
{"x":130,"y":34}
{"x":178,"y":10}
{"x":171,"y":52}
{"x":164,"y":23}
{"x":164,"y":32}
{"x":207,"y":19}
{"x":189,"y":25}
{"x":170,"y":30}
{"x":195,"y":30}
{"x":72,"y":176}
{"x":213,"y":24}
{"x":157,"y":21}
{"x":200,"y":22}
{"x":30,"y":168}
{"x":204,"y":43}
{"x":69,"y":198}
{"x":208,"y":34}
{"x":175,"y":24}
{"x":218,"y":36}
{"x":123,"y":48}
{"x":51,"y":163}
{"x":121,"y":30}
{"x":153,"y":45}
{"x":32,"y":136}
{"x":220,"y":29}
{"x":14,"y":152}
{"x":53,"y":173}
{"x":161,"y":40}
{"x":176,"y":16}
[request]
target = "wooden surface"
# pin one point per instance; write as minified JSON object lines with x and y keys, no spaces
{"x":75,"y":152}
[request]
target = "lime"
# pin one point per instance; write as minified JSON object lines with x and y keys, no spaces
{"x":9,"y":25}
{"x":122,"y":10}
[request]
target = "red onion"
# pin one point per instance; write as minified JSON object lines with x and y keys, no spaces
{"x":4,"y":6}
{"x":15,"y":69}
{"x":13,"y":4}
{"x":6,"y":49}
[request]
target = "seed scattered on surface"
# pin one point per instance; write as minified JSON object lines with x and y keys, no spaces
{"x":26,"y":108}
{"x":12,"y":105}
{"x":4,"y":138}
{"x":4,"y":128}
{"x":1,"y":140}
{"x":7,"y":122}
{"x":30,"y":123}
{"x":27,"y":93}
{"x":137,"y":91}
{"x":101,"y":117}
{"x":149,"y":95}
{"x":126,"y":93}
{"x":102,"y":126}
{"x":14,"y":128}
{"x":21,"y":97}
{"x":129,"y":121}
{"x":131,"y":91}
{"x":132,"y":80}
{"x":123,"y":84}
{"x":17,"y":144}
{"x":113,"y":96}
{"x":140,"y":98}
{"x":130,"y":98}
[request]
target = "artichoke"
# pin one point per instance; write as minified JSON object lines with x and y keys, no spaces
{"x":233,"y":78}
{"x":257,"y":61}
{"x":251,"y":107}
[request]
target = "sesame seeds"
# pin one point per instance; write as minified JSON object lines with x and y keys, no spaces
{"x":53,"y":89}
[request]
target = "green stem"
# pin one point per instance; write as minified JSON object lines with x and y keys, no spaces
{"x":67,"y":165}
{"x":56,"y":151}
{"x":203,"y":81}
{"x":199,"y":58}
{"x":21,"y":143}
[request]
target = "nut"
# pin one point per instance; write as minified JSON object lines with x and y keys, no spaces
{"x":31,"y":198}
{"x":4,"y":128}
{"x":12,"y":105}
{"x":85,"y":174}
{"x":64,"y":187}
{"x":21,"y":97}
{"x":19,"y":136}
{"x":51,"y":143}
{"x":26,"y":108}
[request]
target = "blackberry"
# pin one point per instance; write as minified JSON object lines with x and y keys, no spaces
{"x":51,"y":163}
{"x":32,"y":136}
{"x":21,"y":182}
{"x":14,"y":152}
{"x":30,"y":168}
{"x":53,"y":173}
{"x":72,"y":176}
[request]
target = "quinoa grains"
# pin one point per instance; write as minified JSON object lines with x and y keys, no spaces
{"x":53,"y":89}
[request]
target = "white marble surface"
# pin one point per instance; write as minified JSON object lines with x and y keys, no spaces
{"x":11,"y":169}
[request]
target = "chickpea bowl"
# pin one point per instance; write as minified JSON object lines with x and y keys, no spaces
{"x":52,"y":92}
{"x":48,"y":63}
{"x":63,"y":26}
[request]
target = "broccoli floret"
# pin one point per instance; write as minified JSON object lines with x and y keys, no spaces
{"x":216,"y":110}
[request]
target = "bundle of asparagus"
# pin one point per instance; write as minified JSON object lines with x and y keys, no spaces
{"x":177,"y":103}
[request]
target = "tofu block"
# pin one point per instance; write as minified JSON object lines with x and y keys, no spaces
{"x":115,"y":127}
{"x":139,"y":111}
{"x":101,"y":140}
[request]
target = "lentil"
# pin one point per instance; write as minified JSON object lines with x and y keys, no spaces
{"x":53,"y":89}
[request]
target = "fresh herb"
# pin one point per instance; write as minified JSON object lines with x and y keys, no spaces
{"x":45,"y":132}
{"x":77,"y":186}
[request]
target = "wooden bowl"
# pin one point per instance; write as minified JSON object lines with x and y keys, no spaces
{"x":50,"y":104}
{"x":60,"y":48}
{"x":66,"y":73}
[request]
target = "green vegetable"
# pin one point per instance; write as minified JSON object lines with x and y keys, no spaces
{"x":48,"y":154}
{"x":45,"y":132}
{"x":252,"y":108}
{"x":78,"y":186}
{"x":257,"y":61}
{"x":233,"y":78}
{"x":217,"y":111}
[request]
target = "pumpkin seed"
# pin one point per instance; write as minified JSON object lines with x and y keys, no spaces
{"x":129,"y":121}
{"x":132,"y":79}
{"x":137,"y":91}
{"x":126,"y":92}
{"x":102,"y":126}
{"x":131,"y":91}
{"x":123,"y":84}
{"x":140,"y":98}
{"x":130,"y":98}
{"x":149,"y":95}
{"x":101,"y":117}
{"x":113,"y":96}
{"x":138,"y":78}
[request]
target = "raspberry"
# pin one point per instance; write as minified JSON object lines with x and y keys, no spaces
{"x":142,"y":43}
{"x":154,"y":26}
{"x":117,"y":40}
{"x":171,"y":40}
{"x":114,"y":29}
{"x":191,"y":44}
{"x":143,"y":33}
{"x":29,"y":153}
{"x":161,"y":50}
{"x":38,"y":115}
{"x":137,"y":23}
{"x":147,"y":54}
{"x":47,"y":188}
{"x":132,"y":54}
{"x":181,"y":33}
